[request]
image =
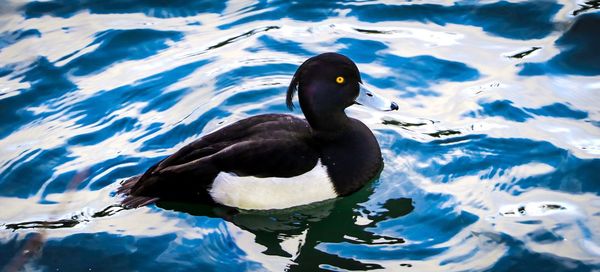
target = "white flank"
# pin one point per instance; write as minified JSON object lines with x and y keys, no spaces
{"x":254,"y":193}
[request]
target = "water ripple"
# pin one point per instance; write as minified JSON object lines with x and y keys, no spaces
{"x":490,"y":164}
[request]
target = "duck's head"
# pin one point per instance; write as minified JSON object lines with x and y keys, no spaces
{"x":327,"y":84}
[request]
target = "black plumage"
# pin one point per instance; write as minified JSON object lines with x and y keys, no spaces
{"x":275,"y":145}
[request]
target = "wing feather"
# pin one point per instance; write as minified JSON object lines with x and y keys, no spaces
{"x":272,"y":145}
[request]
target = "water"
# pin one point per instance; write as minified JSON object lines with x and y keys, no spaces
{"x":490,"y":164}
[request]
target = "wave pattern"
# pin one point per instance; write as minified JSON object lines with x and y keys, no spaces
{"x":490,"y":164}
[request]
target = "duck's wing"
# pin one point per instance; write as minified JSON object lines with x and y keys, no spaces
{"x":226,"y":136}
{"x":263,"y":146}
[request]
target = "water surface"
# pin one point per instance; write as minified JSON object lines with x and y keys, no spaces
{"x":490,"y":164}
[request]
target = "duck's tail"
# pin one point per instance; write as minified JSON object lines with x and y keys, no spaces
{"x":126,"y":185}
{"x":132,"y":201}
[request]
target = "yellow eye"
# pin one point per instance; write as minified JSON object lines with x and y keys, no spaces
{"x":340,"y":80}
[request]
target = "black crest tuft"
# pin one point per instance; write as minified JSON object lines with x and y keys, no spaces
{"x":293,"y":88}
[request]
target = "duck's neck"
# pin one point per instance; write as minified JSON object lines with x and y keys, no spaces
{"x":327,"y":123}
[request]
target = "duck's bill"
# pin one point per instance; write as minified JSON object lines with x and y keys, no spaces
{"x":370,"y":99}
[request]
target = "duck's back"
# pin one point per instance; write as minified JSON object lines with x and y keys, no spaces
{"x":263,"y":146}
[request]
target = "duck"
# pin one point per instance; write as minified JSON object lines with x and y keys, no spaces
{"x":277,"y":161}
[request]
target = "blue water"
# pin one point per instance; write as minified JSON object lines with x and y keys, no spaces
{"x":491,"y":163}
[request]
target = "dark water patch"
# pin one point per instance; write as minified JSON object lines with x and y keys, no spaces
{"x":531,"y":260}
{"x":64,"y":223}
{"x":392,"y":208}
{"x":380,"y":253}
{"x":9,"y":38}
{"x":57,"y":224}
{"x":522,"y":21}
{"x":420,"y":72}
{"x":167,"y":78}
{"x":47,"y":82}
{"x":447,"y":132}
{"x":315,"y":255}
{"x":10,"y":245}
{"x":121,"y":253}
{"x":525,"y":53}
{"x":271,"y":108}
{"x":154,"y":8}
{"x":152,"y":88}
{"x":507,"y":153}
{"x":97,"y":136}
{"x":166,"y":101}
{"x":506,"y":110}
{"x":587,"y":6}
{"x":432,"y":223}
{"x":439,"y":228}
{"x":461,"y":258}
{"x":543,"y":236}
{"x":242,"y":36}
{"x":151,"y":129}
{"x":269,"y":43}
{"x":558,"y":110}
{"x":257,"y":95}
{"x":34,"y":170}
{"x":570,"y":175}
{"x":578,"y":51}
{"x":182,"y":131}
{"x":353,"y":49}
{"x":6,"y":70}
{"x":401,"y":124}
{"x":595,"y":123}
{"x":326,"y":262}
{"x":62,"y":183}
{"x":372,"y":31}
{"x":69,"y":55}
{"x":236,"y":75}
{"x":108,"y":211}
{"x":121,"y":45}
{"x":502,"y":108}
{"x":525,"y":222}
{"x":113,"y":170}
{"x":19,"y":252}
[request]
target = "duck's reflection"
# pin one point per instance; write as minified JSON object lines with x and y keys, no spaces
{"x":342,"y":220}
{"x":293,"y":238}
